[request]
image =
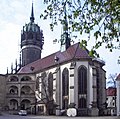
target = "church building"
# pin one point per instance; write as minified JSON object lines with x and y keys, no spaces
{"x":53,"y":84}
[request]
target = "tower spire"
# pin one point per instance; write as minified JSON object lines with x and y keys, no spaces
{"x":32,"y":14}
{"x":65,"y":40}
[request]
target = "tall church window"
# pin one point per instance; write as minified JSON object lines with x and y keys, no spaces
{"x":50,"y":86}
{"x":43,"y":85}
{"x":82,"y":80}
{"x":82,"y":86}
{"x":82,"y":102}
{"x":65,"y":87}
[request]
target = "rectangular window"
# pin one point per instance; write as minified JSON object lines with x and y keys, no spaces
{"x":40,"y":108}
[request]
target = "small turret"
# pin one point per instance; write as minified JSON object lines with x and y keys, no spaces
{"x":12,"y":68}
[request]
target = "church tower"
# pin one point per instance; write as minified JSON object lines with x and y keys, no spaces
{"x":32,"y":41}
{"x":65,"y":39}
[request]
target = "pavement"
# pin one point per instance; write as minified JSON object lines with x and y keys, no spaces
{"x":54,"y":117}
{"x":66,"y":117}
{"x":8,"y":116}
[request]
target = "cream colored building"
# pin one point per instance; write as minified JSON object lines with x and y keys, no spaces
{"x":68,"y":78}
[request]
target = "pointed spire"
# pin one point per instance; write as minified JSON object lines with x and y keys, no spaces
{"x":7,"y":70}
{"x":65,"y":28}
{"x":20,"y":65}
{"x":16,"y":66}
{"x":32,"y":14}
{"x":11,"y":68}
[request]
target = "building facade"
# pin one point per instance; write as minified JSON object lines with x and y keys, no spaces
{"x":2,"y":91}
{"x":70,"y":78}
{"x":53,"y":84}
{"x":20,"y":92}
{"x":111,"y":100}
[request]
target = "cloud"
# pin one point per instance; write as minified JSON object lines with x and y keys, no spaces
{"x":9,"y":45}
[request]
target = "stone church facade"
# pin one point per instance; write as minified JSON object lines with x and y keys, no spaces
{"x":53,"y":84}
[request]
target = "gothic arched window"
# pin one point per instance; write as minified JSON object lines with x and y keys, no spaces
{"x":50,"y":86}
{"x":82,"y":87}
{"x":82,"y":80}
{"x":65,"y":87}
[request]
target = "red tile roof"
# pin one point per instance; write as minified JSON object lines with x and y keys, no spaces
{"x":73,"y":52}
{"x":111,"y":91}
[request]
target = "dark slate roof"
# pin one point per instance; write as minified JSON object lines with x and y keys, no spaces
{"x":111,"y":91}
{"x":73,"y":52}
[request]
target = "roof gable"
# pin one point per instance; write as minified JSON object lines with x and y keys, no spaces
{"x":111,"y":91}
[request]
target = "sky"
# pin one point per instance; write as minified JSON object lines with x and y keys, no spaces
{"x":13,"y":16}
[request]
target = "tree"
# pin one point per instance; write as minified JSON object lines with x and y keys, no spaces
{"x":111,"y":81}
{"x":44,"y":93}
{"x":98,"y":17}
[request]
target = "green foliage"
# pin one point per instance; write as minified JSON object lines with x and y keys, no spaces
{"x":101,"y":18}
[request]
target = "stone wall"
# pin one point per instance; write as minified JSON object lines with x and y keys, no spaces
{"x":2,"y":91}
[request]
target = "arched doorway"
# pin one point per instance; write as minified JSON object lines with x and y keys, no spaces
{"x":13,"y":104}
{"x":25,"y":105}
